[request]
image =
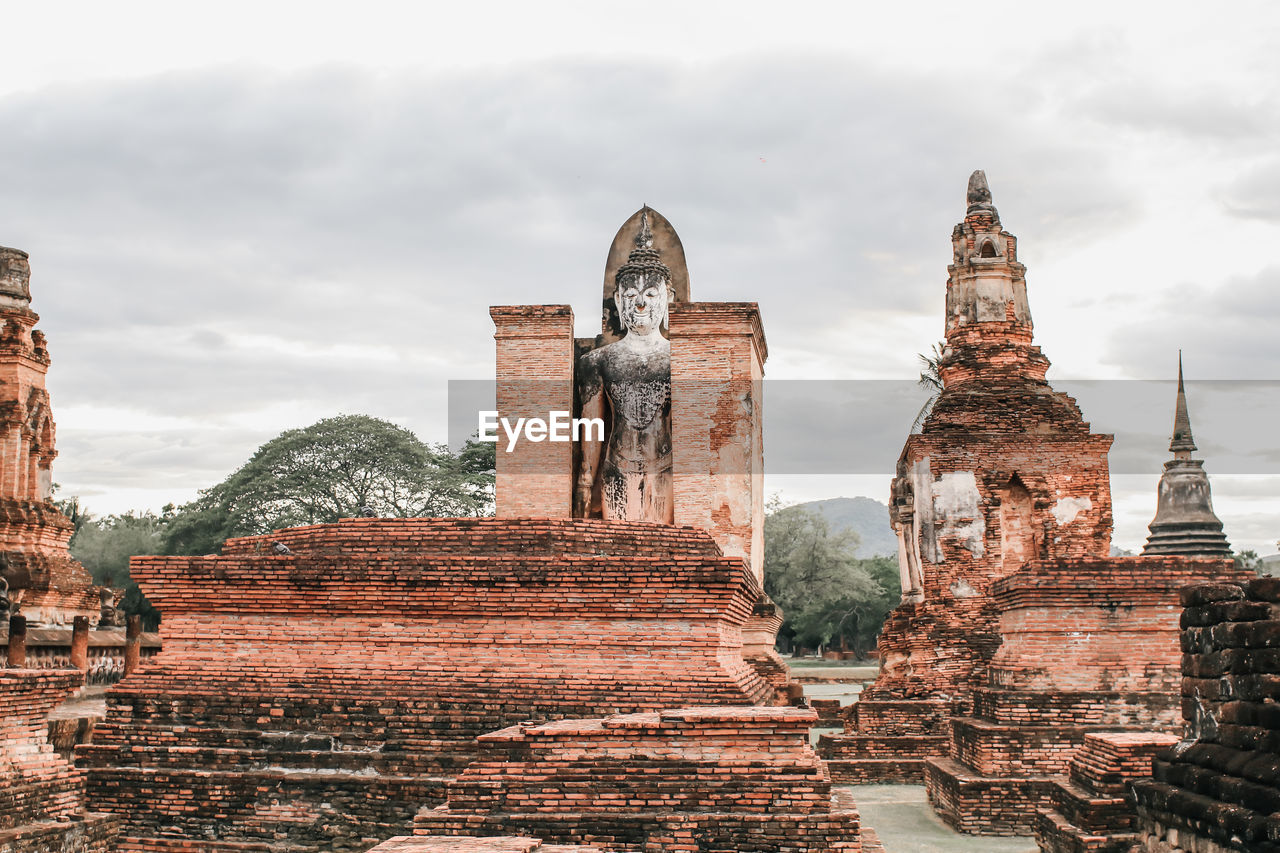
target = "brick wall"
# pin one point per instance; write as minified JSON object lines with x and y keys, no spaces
{"x":41,"y":793}
{"x":1219,"y":788}
{"x":321,"y":698}
{"x":712,"y":780}
{"x":1088,"y":643}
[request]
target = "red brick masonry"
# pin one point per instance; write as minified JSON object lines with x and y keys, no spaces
{"x":702,"y":780}
{"x":451,"y":844}
{"x":41,"y":793}
{"x":320,"y":699}
{"x":1087,"y":645}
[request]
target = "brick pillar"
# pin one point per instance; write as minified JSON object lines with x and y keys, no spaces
{"x":535,"y":378}
{"x":132,"y":644}
{"x":17,"y":640}
{"x":80,"y":643}
{"x":717,"y":363}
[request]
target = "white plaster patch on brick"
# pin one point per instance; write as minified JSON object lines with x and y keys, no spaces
{"x":963,"y":589}
{"x":1066,"y":510}
{"x":956,"y":504}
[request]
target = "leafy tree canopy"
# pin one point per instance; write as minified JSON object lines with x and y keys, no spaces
{"x":335,"y":469}
{"x":827,"y":595}
{"x":330,"y":470}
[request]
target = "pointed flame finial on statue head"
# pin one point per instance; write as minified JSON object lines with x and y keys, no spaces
{"x":644,"y":260}
{"x":644,"y":237}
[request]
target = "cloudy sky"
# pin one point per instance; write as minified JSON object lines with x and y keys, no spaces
{"x":247,"y":218}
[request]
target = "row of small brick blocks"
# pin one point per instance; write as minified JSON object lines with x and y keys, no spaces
{"x":299,"y":811}
{"x":836,"y":831}
{"x":1098,"y":709}
{"x":570,"y":585}
{"x":437,"y":536}
{"x":1101,"y":581}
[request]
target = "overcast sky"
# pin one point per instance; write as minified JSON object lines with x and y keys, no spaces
{"x":245,"y":219}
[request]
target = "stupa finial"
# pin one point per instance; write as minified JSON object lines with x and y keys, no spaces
{"x":1182,"y":442}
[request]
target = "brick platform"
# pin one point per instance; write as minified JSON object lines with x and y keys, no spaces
{"x":457,"y":844}
{"x":1090,"y":811}
{"x":1088,"y":644}
{"x":318,"y":700}
{"x":41,"y":794}
{"x":703,"y":780}
{"x":1219,"y":789}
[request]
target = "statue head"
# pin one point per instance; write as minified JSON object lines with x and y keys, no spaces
{"x":643,"y":291}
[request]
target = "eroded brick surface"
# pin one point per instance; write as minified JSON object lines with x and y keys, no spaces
{"x":41,"y":794}
{"x":712,"y":780}
{"x":1088,"y":645}
{"x":320,"y":699}
{"x":1219,"y":788}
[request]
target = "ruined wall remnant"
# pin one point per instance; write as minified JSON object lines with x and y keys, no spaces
{"x":701,"y":780}
{"x":1004,"y":472}
{"x":1088,"y":645}
{"x":320,"y":699}
{"x":1218,"y":789}
{"x":41,"y":794}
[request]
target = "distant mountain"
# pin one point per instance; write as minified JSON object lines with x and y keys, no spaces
{"x":865,"y":516}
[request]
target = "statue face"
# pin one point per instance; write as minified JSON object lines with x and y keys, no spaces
{"x":642,"y":303}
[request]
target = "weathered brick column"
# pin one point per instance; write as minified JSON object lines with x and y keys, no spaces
{"x":717,"y":364}
{"x":535,"y":378}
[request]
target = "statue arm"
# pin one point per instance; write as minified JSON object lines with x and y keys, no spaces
{"x":591,"y":393}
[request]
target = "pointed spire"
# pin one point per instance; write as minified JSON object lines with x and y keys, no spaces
{"x":1182,"y":442}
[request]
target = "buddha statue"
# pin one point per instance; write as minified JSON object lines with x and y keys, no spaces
{"x":627,"y":382}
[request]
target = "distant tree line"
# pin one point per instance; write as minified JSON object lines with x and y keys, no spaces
{"x":342,"y":467}
{"x":829,"y":597}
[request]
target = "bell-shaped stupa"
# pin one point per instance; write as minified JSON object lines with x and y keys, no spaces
{"x":1185,"y":523}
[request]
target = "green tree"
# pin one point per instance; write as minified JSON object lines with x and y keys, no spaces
{"x":930,"y":380}
{"x":1247,"y":559}
{"x":337,"y":468}
{"x":104,"y":546}
{"x":827,"y":595}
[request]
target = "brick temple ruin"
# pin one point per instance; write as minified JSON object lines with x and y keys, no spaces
{"x":1018,"y":635}
{"x":54,"y":602}
{"x":321,"y":686}
{"x":593,"y":669}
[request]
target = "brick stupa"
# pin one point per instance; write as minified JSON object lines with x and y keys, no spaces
{"x":1004,"y":471}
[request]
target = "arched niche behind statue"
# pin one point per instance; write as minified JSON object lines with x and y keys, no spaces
{"x":666,"y":241}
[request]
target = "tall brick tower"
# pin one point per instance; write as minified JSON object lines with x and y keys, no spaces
{"x":1004,"y":471}
{"x":50,"y":587}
